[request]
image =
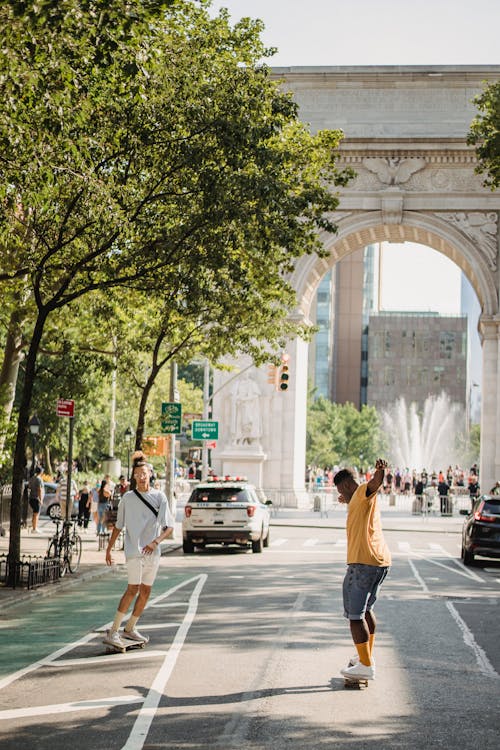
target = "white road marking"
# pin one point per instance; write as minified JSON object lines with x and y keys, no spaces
{"x":482,"y":660}
{"x":310,"y":542}
{"x":58,"y":708}
{"x":146,"y":714}
{"x":418,"y":576}
{"x":459,"y":568}
{"x":82,"y":661}
{"x":278,"y":542}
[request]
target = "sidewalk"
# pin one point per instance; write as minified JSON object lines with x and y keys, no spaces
{"x":92,"y":563}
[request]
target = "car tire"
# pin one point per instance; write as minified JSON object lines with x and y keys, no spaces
{"x":467,"y":556}
{"x":54,"y":511}
{"x":187,"y":546}
{"x":268,"y":538}
{"x":258,"y":545}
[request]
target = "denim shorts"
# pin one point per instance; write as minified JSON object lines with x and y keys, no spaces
{"x":360,"y":589}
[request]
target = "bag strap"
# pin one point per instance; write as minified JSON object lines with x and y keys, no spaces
{"x":153,"y":510}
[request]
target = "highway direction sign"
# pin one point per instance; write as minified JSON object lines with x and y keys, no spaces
{"x":171,"y":413}
{"x":205,"y":429}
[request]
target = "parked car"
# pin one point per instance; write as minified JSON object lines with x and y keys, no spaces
{"x":50,"y":505}
{"x":225,"y":511}
{"x":481,"y":530}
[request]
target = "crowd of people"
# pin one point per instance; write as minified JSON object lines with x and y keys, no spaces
{"x":410,"y":481}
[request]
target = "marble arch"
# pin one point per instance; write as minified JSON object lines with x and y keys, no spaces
{"x":405,"y":137}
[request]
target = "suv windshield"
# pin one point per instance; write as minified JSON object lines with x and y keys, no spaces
{"x":219,"y":495}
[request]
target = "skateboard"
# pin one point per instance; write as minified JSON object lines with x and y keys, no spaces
{"x":122,"y":649}
{"x":128,"y":645}
{"x":355,"y":684}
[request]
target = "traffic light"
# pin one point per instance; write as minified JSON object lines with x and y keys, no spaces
{"x":284,"y":372}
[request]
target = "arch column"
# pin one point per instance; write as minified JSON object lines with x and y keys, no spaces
{"x":490,"y":408}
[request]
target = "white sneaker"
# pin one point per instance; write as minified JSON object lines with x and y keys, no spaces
{"x":113,"y":638}
{"x":355,"y":660}
{"x":358,"y":672}
{"x":36,"y":531}
{"x":135,"y":636}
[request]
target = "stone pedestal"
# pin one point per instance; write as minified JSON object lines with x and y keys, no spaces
{"x":243,"y":462}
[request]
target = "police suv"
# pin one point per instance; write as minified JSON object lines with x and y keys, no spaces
{"x":226,"y":510}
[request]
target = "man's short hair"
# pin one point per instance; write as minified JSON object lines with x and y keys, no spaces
{"x":38,"y":470}
{"x":342,"y":476}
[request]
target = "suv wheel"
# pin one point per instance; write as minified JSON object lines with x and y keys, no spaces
{"x":55,"y":511}
{"x":258,"y":545}
{"x":467,"y":556}
{"x":187,"y":546}
{"x":268,"y":538}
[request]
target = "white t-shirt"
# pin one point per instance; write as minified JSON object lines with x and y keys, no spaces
{"x":140,"y":524}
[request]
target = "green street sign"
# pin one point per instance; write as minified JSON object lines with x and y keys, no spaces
{"x":205,"y":429}
{"x":171,"y":414}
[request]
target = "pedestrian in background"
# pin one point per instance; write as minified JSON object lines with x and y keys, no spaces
{"x":368,"y":562}
{"x":84,"y":503}
{"x":36,"y":493}
{"x":144,"y":514}
{"x":103,"y":504}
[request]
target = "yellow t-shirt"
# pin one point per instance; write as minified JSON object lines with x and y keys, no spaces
{"x":365,"y":540}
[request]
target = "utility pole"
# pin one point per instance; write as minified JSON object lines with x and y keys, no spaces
{"x":170,"y":462}
{"x":206,"y":415}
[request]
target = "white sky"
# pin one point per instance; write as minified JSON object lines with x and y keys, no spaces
{"x":385,"y":32}
{"x":376,"y":32}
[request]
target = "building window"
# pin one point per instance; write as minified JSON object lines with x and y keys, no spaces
{"x":446,"y":344}
{"x":438,"y":375}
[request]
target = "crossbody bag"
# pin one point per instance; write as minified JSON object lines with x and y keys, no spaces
{"x":153,"y":510}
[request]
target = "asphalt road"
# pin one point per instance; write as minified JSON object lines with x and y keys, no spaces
{"x":245,"y":651}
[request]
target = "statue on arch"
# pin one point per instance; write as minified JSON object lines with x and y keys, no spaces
{"x":246,"y":423}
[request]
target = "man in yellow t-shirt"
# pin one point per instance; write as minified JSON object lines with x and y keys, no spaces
{"x":368,"y":562}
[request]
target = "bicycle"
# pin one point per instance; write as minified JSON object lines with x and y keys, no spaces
{"x":66,"y":544}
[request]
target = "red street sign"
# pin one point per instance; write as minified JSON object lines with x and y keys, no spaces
{"x":65,"y":407}
{"x":212,"y":444}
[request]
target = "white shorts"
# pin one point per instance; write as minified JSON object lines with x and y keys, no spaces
{"x":143,"y":569}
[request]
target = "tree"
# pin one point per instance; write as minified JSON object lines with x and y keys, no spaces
{"x":341,"y":434}
{"x":142,"y":144}
{"x":484,"y":133}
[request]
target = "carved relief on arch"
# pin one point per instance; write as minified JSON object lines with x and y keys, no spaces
{"x":481,"y":228}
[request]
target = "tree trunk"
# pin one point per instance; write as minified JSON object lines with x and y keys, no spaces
{"x":19,"y":467}
{"x":141,"y":416}
{"x":13,"y":355}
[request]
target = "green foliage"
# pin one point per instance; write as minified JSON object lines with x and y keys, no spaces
{"x":341,"y":434}
{"x":484,"y":133}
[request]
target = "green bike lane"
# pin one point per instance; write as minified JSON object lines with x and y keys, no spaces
{"x":36,"y":628}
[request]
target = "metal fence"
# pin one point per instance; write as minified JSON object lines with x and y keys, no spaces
{"x":31,"y":571}
{"x":324,"y":500}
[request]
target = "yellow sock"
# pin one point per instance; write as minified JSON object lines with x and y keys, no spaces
{"x":363,"y":650}
{"x":371,"y":641}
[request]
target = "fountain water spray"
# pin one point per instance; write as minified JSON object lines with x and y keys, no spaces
{"x":427,"y":440}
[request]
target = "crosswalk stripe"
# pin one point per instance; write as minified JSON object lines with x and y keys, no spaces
{"x":404,"y":546}
{"x":310,"y":542}
{"x":278,"y":542}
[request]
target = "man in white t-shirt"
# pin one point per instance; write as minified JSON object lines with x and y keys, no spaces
{"x":147,"y":522}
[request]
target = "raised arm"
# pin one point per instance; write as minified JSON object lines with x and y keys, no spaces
{"x":377,"y":478}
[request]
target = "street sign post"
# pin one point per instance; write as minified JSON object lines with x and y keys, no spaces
{"x":171,"y":413}
{"x":65,"y":407}
{"x":205,"y":429}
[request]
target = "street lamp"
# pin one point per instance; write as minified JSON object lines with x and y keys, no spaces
{"x":129,"y":434}
{"x":34,"y":428}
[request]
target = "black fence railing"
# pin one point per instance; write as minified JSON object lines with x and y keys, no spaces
{"x":31,"y":571}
